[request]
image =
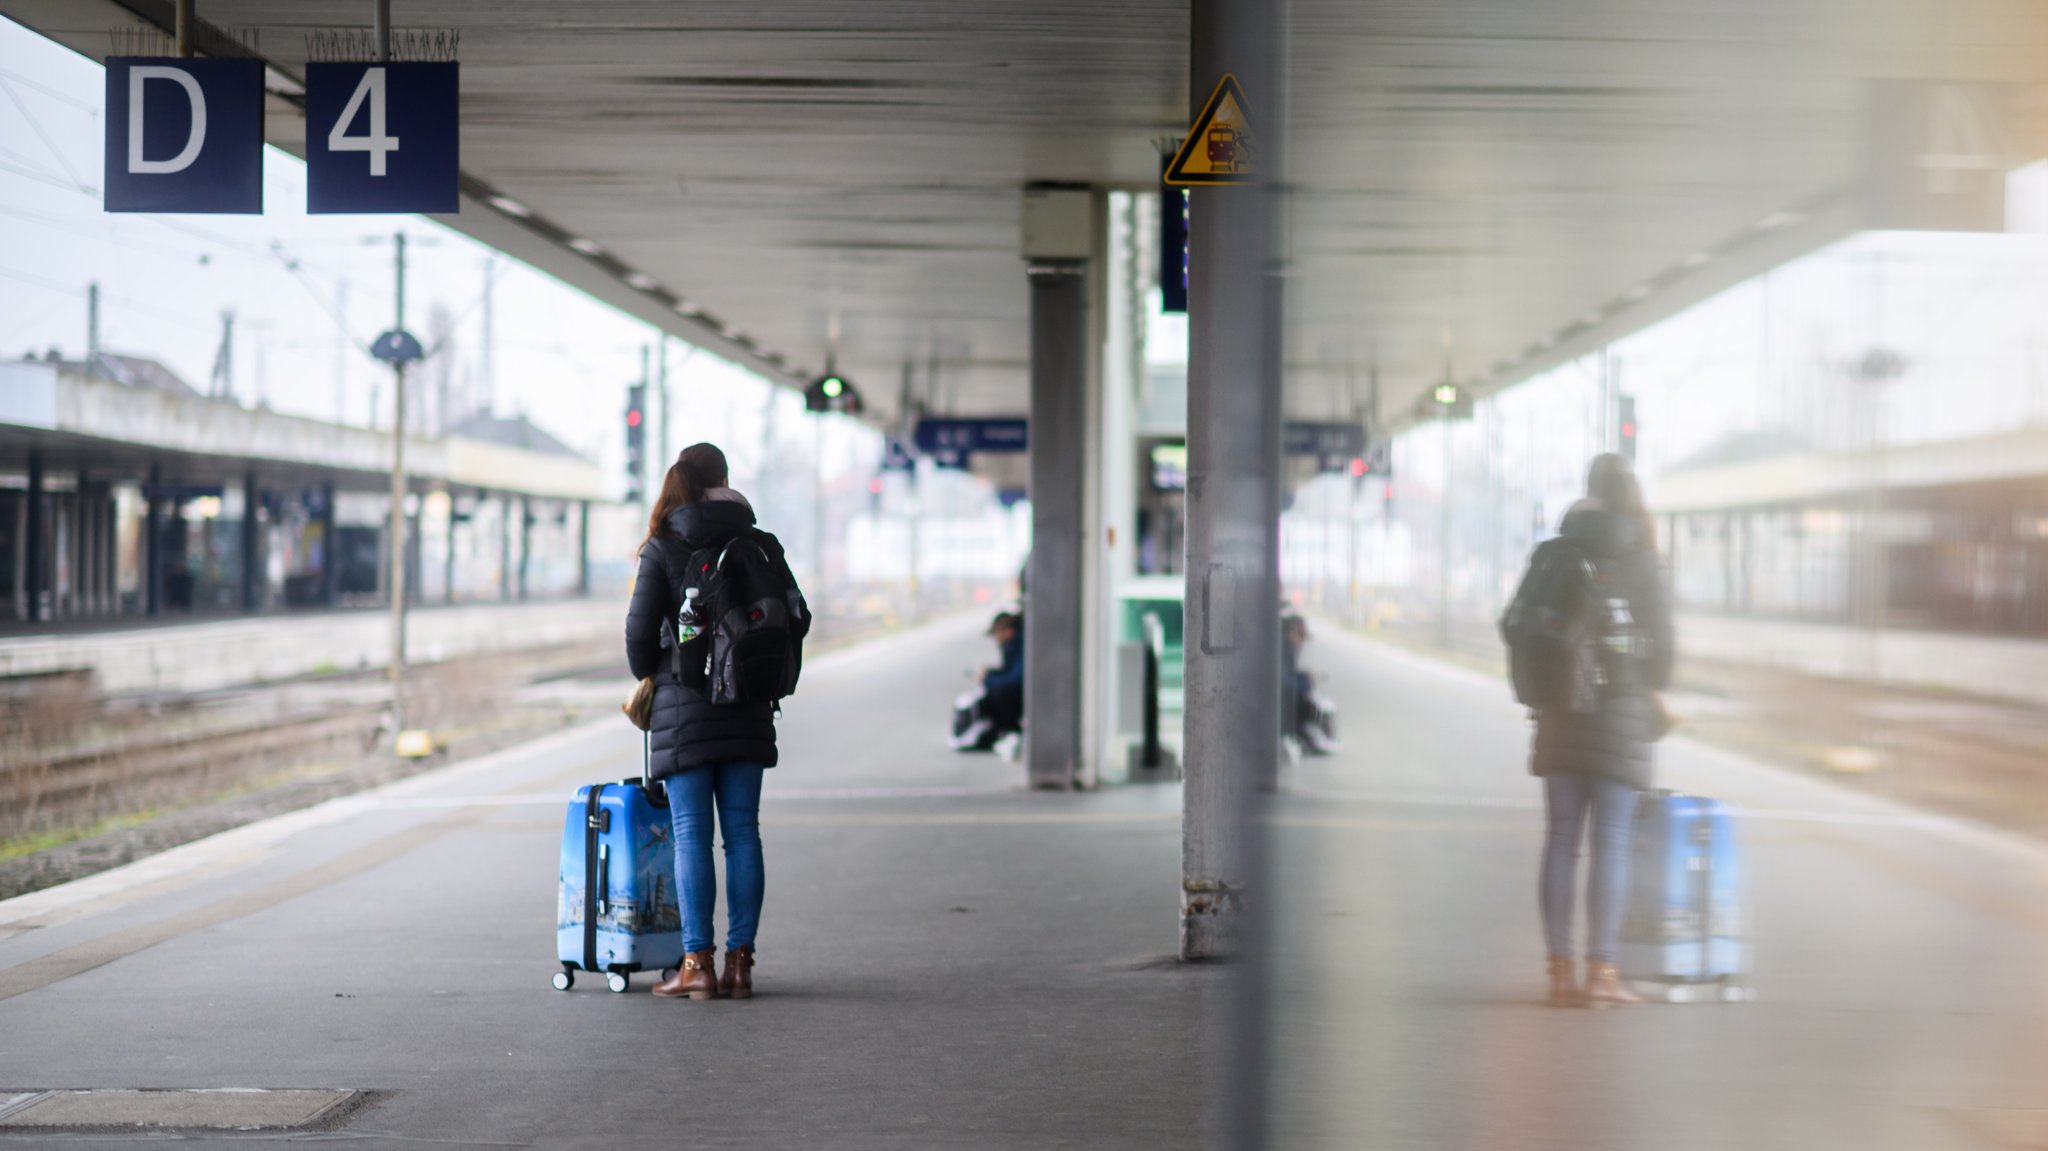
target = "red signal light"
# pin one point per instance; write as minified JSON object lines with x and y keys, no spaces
{"x":875,"y":486}
{"x":1628,"y":431}
{"x":633,"y":418}
{"x":1357,"y":466}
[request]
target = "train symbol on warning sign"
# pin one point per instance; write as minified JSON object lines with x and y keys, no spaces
{"x":1221,"y":148}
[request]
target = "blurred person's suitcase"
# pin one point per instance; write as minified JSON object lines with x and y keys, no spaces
{"x":617,"y":911}
{"x":1686,"y":928}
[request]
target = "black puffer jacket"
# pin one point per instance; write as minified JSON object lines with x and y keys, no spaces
{"x":689,"y":730}
{"x":1614,"y":740}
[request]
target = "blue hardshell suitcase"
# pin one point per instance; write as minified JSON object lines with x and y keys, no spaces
{"x":617,"y":911}
{"x":1686,"y":927}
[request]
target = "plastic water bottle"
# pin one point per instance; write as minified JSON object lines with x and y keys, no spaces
{"x":687,"y":627}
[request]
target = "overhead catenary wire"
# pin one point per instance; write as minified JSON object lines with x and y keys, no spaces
{"x":36,"y":125}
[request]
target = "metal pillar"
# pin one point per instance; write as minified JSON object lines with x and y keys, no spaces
{"x":662,"y":460}
{"x":448,"y":561}
{"x":87,"y":597}
{"x":153,"y":543}
{"x":252,"y":582}
{"x":505,"y":548}
{"x":103,"y":567}
{"x":416,"y":551}
{"x":20,"y":535}
{"x":1059,"y":445}
{"x":32,"y":539}
{"x":330,"y":550}
{"x":395,"y":531}
{"x":1232,"y":722}
{"x":525,"y":542}
{"x":583,"y":548}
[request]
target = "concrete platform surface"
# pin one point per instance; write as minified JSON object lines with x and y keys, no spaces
{"x":946,"y":961}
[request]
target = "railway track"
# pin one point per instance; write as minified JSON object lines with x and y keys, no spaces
{"x":72,"y":788}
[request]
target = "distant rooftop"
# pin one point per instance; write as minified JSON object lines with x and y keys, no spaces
{"x":134,"y":371}
{"x":511,"y":431}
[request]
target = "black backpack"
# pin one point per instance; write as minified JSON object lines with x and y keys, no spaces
{"x":1560,"y":628}
{"x":754,"y":620}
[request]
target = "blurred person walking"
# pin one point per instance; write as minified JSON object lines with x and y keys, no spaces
{"x":1592,"y":746}
{"x":712,"y":732}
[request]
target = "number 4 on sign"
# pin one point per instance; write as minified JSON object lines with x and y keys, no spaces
{"x":377,"y":143}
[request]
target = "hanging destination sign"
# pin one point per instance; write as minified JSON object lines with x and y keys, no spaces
{"x":184,"y":135}
{"x":382,"y":137}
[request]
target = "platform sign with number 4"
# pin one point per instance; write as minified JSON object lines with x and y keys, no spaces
{"x":381,"y":137}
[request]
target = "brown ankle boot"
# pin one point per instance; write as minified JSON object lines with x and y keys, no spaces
{"x":738,"y":980}
{"x":694,"y":979}
{"x":1604,"y":987}
{"x":1564,"y":984}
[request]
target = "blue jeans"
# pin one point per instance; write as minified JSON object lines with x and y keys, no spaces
{"x":1566,"y":799}
{"x":735,"y":790}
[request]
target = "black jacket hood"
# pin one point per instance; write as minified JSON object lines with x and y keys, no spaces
{"x":707,"y":522}
{"x":1604,"y":533}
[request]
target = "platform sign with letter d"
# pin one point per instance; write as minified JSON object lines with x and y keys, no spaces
{"x":382,"y":137}
{"x":184,"y":135}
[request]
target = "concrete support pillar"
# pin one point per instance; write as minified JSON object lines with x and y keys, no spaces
{"x":583,"y":543}
{"x":1060,"y":439}
{"x":252,"y":545}
{"x":1233,"y":497}
{"x":1232,"y":718}
{"x":153,"y":543}
{"x":35,"y":578}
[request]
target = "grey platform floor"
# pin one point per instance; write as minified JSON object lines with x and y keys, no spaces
{"x":950,"y":962}
{"x":946,"y":961}
{"x":1901,"y":960}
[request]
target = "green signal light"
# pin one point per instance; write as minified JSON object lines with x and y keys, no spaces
{"x":833,"y":386}
{"x":1447,"y":394}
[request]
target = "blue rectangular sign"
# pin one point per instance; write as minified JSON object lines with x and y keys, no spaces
{"x":382,"y":137}
{"x":1008,"y":434}
{"x":184,"y":135}
{"x":1173,"y":244}
{"x":1305,"y":439}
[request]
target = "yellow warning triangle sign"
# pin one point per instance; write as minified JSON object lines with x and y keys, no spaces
{"x":1220,"y":148}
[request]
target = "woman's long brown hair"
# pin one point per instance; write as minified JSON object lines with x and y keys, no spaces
{"x":697,"y":470}
{"x":1612,"y":480}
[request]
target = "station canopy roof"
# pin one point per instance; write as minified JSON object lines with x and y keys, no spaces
{"x":1484,"y":187}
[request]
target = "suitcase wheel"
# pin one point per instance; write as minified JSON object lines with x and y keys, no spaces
{"x":618,"y":982}
{"x":668,"y":973}
{"x":1737,"y":993}
{"x":564,"y":980}
{"x":1678,"y":993}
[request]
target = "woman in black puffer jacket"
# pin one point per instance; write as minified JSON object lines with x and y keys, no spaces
{"x":710,"y":756}
{"x":1596,"y":762}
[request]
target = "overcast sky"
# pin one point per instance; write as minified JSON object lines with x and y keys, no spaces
{"x":291,"y":280}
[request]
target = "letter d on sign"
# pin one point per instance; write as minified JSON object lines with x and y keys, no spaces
{"x":138,"y":76}
{"x":183,"y":135}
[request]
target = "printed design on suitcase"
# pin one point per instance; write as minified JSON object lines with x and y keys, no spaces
{"x":639,"y":918}
{"x":1685,"y":922}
